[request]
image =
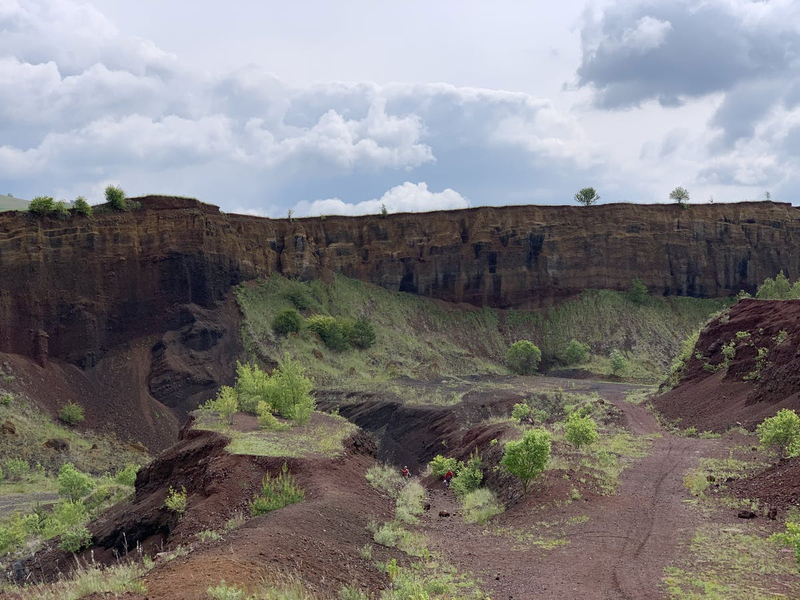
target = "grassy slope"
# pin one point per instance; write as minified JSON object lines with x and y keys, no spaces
{"x":422,"y":338}
{"x":9,"y":203}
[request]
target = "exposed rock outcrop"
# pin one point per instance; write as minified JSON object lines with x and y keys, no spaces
{"x":91,"y":283}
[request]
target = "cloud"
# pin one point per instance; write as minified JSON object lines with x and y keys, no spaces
{"x":408,"y":197}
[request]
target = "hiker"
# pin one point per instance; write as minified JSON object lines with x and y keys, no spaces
{"x":447,"y":477}
{"x":405,"y":472}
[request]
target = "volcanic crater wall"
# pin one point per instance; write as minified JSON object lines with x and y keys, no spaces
{"x":73,"y":288}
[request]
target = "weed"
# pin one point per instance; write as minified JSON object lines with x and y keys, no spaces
{"x":76,"y":539}
{"x":277,"y":492}
{"x":90,"y":580}
{"x":480,"y":505}
{"x":6,"y":399}
{"x":352,"y":592}
{"x":223,"y":591}
{"x":71,"y":413}
{"x":208,"y":535}
{"x":176,"y":500}
{"x":410,"y":502}
{"x":387,"y":535}
{"x":365,"y":551}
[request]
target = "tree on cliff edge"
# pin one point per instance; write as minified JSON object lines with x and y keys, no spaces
{"x":587,"y":196}
{"x":681,"y":196}
{"x":115,"y":197}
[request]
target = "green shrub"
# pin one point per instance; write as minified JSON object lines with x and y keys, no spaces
{"x":387,"y":535}
{"x":790,"y":538}
{"x":333,"y":332}
{"x":253,"y":385}
{"x":779,"y":288}
{"x":528,"y":457}
{"x":115,"y":197}
{"x":480,"y":505}
{"x":761,"y":364}
{"x":681,"y":196}
{"x":277,"y":492}
{"x":266,"y":420}
{"x":576,"y":352}
{"x":410,"y":502}
{"x":82,"y":207}
{"x":386,"y":478}
{"x":587,"y":196}
{"x":41,"y":206}
{"x":176,"y":501}
{"x":469,"y":477}
{"x":618,"y":362}
{"x":523,"y":357}
{"x":60,"y":210}
{"x":520,"y":411}
{"x":71,"y":413}
{"x":638,"y":292}
{"x":362,"y":333}
{"x":74,"y":540}
{"x":287,"y":321}
{"x":223,"y":591}
{"x":579,"y":430}
{"x":441,"y":465}
{"x":226,"y":403}
{"x":782,"y":430}
{"x":6,"y":399}
{"x":290,"y":391}
{"x":298,"y":295}
{"x":16,"y":469}
{"x":72,"y":484}
{"x":127,"y":476}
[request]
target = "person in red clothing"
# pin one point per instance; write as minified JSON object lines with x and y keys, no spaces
{"x":447,"y":477}
{"x":405,"y":472}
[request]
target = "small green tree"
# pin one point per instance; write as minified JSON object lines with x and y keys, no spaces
{"x":469,"y":477}
{"x":75,"y":539}
{"x":580,"y":430}
{"x":253,"y":385}
{"x":72,"y":484}
{"x":576,"y":352}
{"x":115,"y":197}
{"x":384,"y":211}
{"x":523,"y":357}
{"x":441,"y":465}
{"x":782,"y":430}
{"x":681,"y":196}
{"x":587,"y":196}
{"x":362,"y":333}
{"x":82,"y":207}
{"x":638,"y":292}
{"x":287,"y":321}
{"x":60,"y":210}
{"x":41,"y":206}
{"x":618,"y":362}
{"x":226,"y":403}
{"x":332,"y":331}
{"x":780,"y":288}
{"x":520,"y":412}
{"x":177,"y":501}
{"x":528,"y":457}
{"x":291,"y":391}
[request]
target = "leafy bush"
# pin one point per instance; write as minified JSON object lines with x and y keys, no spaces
{"x":523,"y":357}
{"x":469,"y":477}
{"x":387,"y":535}
{"x":6,"y":399}
{"x":225,"y":404}
{"x":480,"y":505}
{"x":528,"y":457}
{"x":576,"y":352}
{"x":74,"y":540}
{"x":287,"y":321}
{"x":115,"y":197}
{"x":60,"y":210}
{"x":386,"y":478}
{"x":362,"y":333}
{"x":290,"y":392}
{"x":252,"y":386}
{"x":176,"y":501}
{"x":127,"y":476}
{"x":266,"y":420}
{"x":790,"y":538}
{"x":72,"y":484}
{"x":41,"y":206}
{"x":277,"y":492}
{"x":71,"y":413}
{"x":16,"y":469}
{"x":782,"y":430}
{"x":520,"y":411}
{"x":779,"y":288}
{"x":332,"y":331}
{"x":761,"y":364}
{"x":441,"y":465}
{"x":298,"y":295}
{"x":638,"y":292}
{"x":82,"y":207}
{"x":618,"y":362}
{"x":580,"y":430}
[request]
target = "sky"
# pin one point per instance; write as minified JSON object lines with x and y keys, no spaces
{"x":326,"y":107}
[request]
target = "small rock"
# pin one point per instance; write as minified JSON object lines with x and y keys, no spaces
{"x":747,"y":514}
{"x":426,"y":506}
{"x":772,"y":514}
{"x":444,"y":513}
{"x":57,"y":444}
{"x":710,"y":478}
{"x":8,"y":428}
{"x":94,"y":447}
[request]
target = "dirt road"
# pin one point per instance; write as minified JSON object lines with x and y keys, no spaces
{"x":612,"y":547}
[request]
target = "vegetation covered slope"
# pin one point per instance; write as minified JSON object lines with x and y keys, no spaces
{"x":426,"y":339}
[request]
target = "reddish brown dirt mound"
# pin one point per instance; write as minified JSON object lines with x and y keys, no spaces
{"x":741,"y":394}
{"x":776,"y":487}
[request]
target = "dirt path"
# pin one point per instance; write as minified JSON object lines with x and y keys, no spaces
{"x":612,"y":547}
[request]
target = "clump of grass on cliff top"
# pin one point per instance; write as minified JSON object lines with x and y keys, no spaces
{"x":422,"y":338}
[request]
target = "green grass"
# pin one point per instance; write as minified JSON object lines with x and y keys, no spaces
{"x":423,"y":339}
{"x":733,"y":563}
{"x":10,"y":203}
{"x":322,"y":436}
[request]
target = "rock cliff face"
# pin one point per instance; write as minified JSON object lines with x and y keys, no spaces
{"x":73,"y":288}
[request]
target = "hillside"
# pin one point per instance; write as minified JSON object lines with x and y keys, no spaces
{"x":12,"y":203}
{"x":124,"y":275}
